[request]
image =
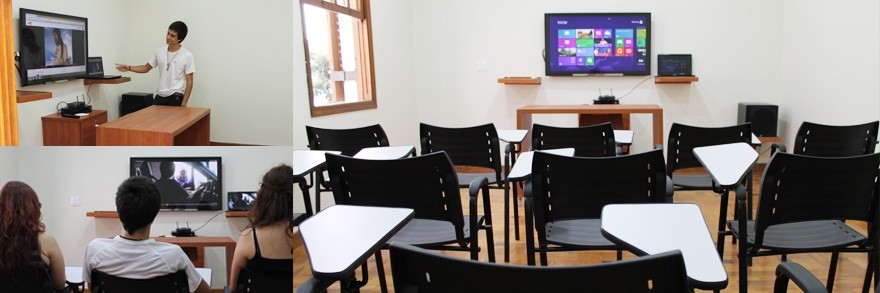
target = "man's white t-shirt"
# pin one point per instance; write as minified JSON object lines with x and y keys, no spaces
{"x":172,"y":79}
{"x":137,"y":259}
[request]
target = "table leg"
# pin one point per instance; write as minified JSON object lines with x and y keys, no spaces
{"x":722,"y":219}
{"x":507,"y":222}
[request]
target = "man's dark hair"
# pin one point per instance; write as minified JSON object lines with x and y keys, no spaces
{"x":180,"y":28}
{"x":137,"y":202}
{"x":166,"y":169}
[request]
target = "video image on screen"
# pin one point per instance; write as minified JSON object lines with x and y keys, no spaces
{"x":187,"y":184}
{"x":52,"y":46}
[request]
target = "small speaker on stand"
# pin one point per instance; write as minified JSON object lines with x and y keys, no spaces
{"x":764,"y":117}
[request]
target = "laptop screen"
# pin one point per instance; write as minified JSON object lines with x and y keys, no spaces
{"x":240,"y":200}
{"x":95,"y":66}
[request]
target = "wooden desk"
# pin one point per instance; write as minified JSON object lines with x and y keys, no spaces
{"x":194,"y":247}
{"x":159,"y":125}
{"x":524,"y":116}
{"x":64,"y":131}
{"x":658,"y":228}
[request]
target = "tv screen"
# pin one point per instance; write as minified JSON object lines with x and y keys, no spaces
{"x":185,"y":183}
{"x":597,"y":43}
{"x":51,"y":46}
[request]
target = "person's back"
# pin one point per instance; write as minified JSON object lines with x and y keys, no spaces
{"x":267,"y":247}
{"x":30,"y":260}
{"x":133,"y":254}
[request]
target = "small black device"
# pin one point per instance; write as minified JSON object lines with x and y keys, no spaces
{"x":183,"y":232}
{"x":132,"y":102}
{"x":763,"y":117}
{"x":95,"y":67}
{"x":75,"y":108}
{"x":240,"y":200}
{"x":606,"y":99}
{"x":674,"y":65}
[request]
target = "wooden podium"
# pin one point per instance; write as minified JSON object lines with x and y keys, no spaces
{"x":617,"y":114}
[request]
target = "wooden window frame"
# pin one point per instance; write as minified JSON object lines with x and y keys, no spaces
{"x":364,"y":58}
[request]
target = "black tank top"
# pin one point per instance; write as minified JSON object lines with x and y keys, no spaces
{"x":266,"y":266}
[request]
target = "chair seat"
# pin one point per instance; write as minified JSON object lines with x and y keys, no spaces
{"x":424,"y":232}
{"x":692,"y":181}
{"x":464,"y":179}
{"x":585,"y":233}
{"x":803,"y":236}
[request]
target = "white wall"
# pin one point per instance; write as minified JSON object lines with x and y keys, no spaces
{"x":8,"y":164}
{"x":837,"y":81}
{"x":242,"y":55}
{"x":94,"y":173}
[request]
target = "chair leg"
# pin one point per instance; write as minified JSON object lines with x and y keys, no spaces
{"x":506,"y":221}
{"x":515,"y":211}
{"x":619,"y":254}
{"x":832,"y":270}
{"x":380,"y":270}
{"x":868,"y":273}
{"x":722,"y":221}
{"x":543,"y":258}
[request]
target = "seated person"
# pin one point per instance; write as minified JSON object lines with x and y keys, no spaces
{"x":267,"y":247}
{"x":27,"y":248}
{"x":133,"y":254}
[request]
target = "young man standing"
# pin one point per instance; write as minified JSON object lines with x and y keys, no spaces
{"x":133,"y":254}
{"x":176,"y":68}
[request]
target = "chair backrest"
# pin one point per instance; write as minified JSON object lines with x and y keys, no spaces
{"x":104,"y":283}
{"x":835,"y":141}
{"x":347,"y":141}
{"x":798,"y":188}
{"x":588,"y":141}
{"x":251,"y":281}
{"x":35,"y":278}
{"x":418,"y":270}
{"x":471,"y":146}
{"x":427,"y":184}
{"x":578,"y":187}
{"x":684,"y":138}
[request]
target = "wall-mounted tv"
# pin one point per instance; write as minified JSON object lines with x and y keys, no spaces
{"x":51,"y":46}
{"x":186,"y":183}
{"x":597,"y":43}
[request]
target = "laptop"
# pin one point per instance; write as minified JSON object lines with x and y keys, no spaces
{"x":240,"y":200}
{"x":95,"y":68}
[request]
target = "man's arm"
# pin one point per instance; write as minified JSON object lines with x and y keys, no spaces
{"x":134,"y":68}
{"x":188,"y":90}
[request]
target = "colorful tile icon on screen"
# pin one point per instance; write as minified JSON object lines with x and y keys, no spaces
{"x":585,"y":43}
{"x":584,"y":33}
{"x":628,"y":42}
{"x":607,"y":33}
{"x":567,"y":43}
{"x":584,"y":52}
{"x":619,"y":52}
{"x":567,"y":61}
{"x":566,"y":51}
{"x":599,"y":33}
{"x":628,"y":51}
{"x":618,"y":43}
{"x":589,"y":61}
{"x":642,"y":33}
{"x":567,"y":33}
{"x":623,"y":33}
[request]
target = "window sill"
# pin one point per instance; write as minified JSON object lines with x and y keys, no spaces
{"x":342,"y":108}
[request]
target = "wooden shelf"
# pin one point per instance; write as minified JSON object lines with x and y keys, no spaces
{"x":519,"y":80}
{"x":675,"y":79}
{"x":769,"y":139}
{"x":236,"y":214}
{"x":103,"y":214}
{"x":123,"y":79}
{"x":30,"y":96}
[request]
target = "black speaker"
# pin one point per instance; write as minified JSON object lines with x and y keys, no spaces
{"x":763,"y":117}
{"x":132,"y":102}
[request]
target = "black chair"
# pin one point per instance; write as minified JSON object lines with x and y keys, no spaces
{"x":418,"y":270}
{"x":819,"y":140}
{"x":567,"y":195}
{"x":587,"y":141}
{"x":347,"y":141}
{"x":680,"y":151}
{"x":104,"y":283}
{"x":800,"y":276}
{"x":428,"y":185}
{"x":802,"y":207}
{"x":251,"y":281}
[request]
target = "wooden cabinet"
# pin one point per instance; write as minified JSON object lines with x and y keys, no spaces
{"x":81,"y":131}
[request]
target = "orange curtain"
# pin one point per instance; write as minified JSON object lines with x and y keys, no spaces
{"x":8,"y":100}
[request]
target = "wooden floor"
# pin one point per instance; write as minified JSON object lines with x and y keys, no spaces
{"x":850,"y":274}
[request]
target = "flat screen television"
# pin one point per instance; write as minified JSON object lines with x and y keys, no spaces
{"x":185,"y":183}
{"x":51,"y":47}
{"x":597,"y":43}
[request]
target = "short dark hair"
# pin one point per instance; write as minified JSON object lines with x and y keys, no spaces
{"x":137,"y":202}
{"x":180,"y":28}
{"x":166,"y":169}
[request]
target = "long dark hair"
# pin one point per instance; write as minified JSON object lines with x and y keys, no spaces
{"x":274,"y":201}
{"x":20,"y":222}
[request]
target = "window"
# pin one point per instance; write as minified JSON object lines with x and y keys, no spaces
{"x":339,"y":55}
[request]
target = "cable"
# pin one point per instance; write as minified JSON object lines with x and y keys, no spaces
{"x":208,"y":221}
{"x":89,"y":89}
{"x":633,"y":88}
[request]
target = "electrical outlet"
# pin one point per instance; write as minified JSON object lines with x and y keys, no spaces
{"x":481,"y":65}
{"x":75,"y":201}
